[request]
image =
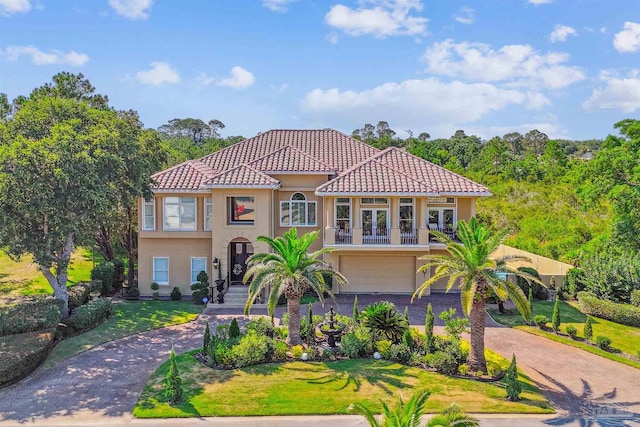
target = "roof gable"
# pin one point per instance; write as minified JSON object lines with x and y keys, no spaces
{"x":242,"y":176}
{"x":189,"y":175}
{"x":290,"y":160}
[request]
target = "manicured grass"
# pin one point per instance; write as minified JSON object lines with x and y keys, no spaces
{"x":131,"y":317}
{"x":24,"y":278}
{"x":302,"y":388}
{"x":625,"y":339}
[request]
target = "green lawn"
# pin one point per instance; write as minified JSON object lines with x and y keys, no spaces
{"x":131,"y":317}
{"x":23,"y":277}
{"x":625,"y":339}
{"x":302,"y":388}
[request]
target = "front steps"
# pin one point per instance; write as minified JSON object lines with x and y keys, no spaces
{"x":236,"y":297}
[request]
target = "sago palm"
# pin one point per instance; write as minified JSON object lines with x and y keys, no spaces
{"x":471,"y":268}
{"x":290,"y":271}
{"x":409,"y":414}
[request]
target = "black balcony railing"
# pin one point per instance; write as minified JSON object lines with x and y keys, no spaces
{"x":409,"y":238}
{"x":449,"y":231}
{"x":343,"y":237}
{"x":375,"y":236}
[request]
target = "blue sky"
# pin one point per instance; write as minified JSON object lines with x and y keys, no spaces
{"x":570,"y":68}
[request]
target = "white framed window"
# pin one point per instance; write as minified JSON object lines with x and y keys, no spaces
{"x":208,"y":214}
{"x":197,"y":265}
{"x":149,"y":214}
{"x":343,"y":214}
{"x":407,"y":223}
{"x":161,"y":270}
{"x":374,"y":201}
{"x":441,"y":219}
{"x":179,"y":213}
{"x":298,"y":211}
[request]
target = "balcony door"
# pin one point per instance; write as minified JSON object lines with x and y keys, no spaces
{"x":375,"y":224}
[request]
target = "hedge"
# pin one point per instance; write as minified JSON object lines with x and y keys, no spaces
{"x":88,"y":316}
{"x":626,"y":314}
{"x":22,"y":353}
{"x":30,"y":315}
{"x":80,"y":292}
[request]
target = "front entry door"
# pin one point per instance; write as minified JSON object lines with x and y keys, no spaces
{"x":239,"y":252}
{"x":374,"y":224}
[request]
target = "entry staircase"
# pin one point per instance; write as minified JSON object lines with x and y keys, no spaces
{"x":235,"y":297}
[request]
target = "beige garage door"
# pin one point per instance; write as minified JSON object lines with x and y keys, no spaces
{"x":371,"y":273}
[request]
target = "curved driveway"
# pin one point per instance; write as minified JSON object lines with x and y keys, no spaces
{"x":103,"y":384}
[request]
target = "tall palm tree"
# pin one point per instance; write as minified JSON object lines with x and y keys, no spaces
{"x":410,"y":414}
{"x":470,"y":267}
{"x":289,"y":270}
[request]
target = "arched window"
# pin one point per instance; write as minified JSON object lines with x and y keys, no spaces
{"x":298,"y":211}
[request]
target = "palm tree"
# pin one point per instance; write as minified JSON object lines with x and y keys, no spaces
{"x":409,"y":414}
{"x":290,"y":271}
{"x":470,"y":266}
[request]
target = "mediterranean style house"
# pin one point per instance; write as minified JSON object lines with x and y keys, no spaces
{"x":374,"y":207}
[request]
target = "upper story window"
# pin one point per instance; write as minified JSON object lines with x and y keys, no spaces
{"x":374,"y":201}
{"x":406,"y":215}
{"x":180,"y":213}
{"x":441,"y":200}
{"x":208,"y":214}
{"x":343,"y":213}
{"x":242,"y":210}
{"x":298,"y":211}
{"x":441,"y":219}
{"x":149,"y":214}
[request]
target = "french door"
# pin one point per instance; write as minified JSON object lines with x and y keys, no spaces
{"x":375,"y":225}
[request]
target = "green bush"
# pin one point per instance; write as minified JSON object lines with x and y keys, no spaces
{"x":555,"y":318}
{"x":296,"y":351}
{"x":22,"y":353}
{"x":280,"y":349}
{"x":155,"y":288}
{"x":539,"y":292}
{"x":603,"y":342}
{"x":80,"y":293}
{"x":513,"y":386}
{"x":540,"y":320}
{"x":428,"y":329}
{"x":262,"y":326}
{"x":407,"y":339}
{"x":384,"y":321}
{"x":118,"y":273}
{"x":575,"y":282}
{"x":30,"y":314}
{"x":200,"y":289}
{"x":176,"y":294}
{"x":588,"y":329}
{"x":350,"y":345}
{"x":454,"y":326}
{"x":626,"y":314}
{"x":251,"y":349}
{"x":400,"y":353}
{"x":635,"y":298}
{"x":173,"y":385}
{"x":443,"y":362}
{"x":383,"y":348}
{"x":572,"y":331}
{"x":89,"y":316}
{"x":234,"y":329}
{"x":105,"y":273}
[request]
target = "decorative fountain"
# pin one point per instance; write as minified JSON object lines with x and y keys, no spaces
{"x":331,"y":328}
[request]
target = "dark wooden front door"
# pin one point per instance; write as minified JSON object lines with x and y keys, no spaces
{"x":239,"y":252}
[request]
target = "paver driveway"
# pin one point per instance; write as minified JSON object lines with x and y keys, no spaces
{"x":104,"y":383}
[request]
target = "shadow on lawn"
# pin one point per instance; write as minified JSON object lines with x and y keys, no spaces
{"x":588,"y":409}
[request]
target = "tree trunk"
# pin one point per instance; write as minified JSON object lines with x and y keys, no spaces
{"x":105,"y":247}
{"x":293,"y":308}
{"x":129,"y":243}
{"x":476,"y":360}
{"x":58,"y":282}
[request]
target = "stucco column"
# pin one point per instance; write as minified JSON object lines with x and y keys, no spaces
{"x":394,"y":224}
{"x":355,"y":221}
{"x":329,"y":231}
{"x":422,"y":277}
{"x":421,"y":221}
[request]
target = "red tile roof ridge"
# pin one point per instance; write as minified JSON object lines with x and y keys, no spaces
{"x":290,"y":147}
{"x":243,"y":166}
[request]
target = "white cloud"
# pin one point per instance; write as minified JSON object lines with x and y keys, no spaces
{"x":9,"y":7}
{"x":240,"y":79}
{"x":628,"y":40}
{"x":379,"y":18}
{"x":465,"y":15}
{"x":204,"y":79}
{"x":38,"y":57}
{"x":277,"y":5}
{"x":536,"y":2}
{"x":618,"y":93}
{"x":517,"y":64}
{"x":132,"y":9}
{"x":414,"y":104}
{"x":159,"y":74}
{"x":561,"y":32}
{"x":333,"y":37}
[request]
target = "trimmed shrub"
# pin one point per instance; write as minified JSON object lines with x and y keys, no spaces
{"x":603,"y":342}
{"x":356,"y":311}
{"x":262,"y":326}
{"x":349,"y":345}
{"x":626,"y":314}
{"x":104,"y":272}
{"x":80,"y":293}
{"x":407,"y":339}
{"x":251,"y":349}
{"x":572,"y":332}
{"x":297,"y":351}
{"x":428,"y":329}
{"x":29,"y":315}
{"x":513,"y":386}
{"x":443,"y":362}
{"x":555,"y":317}
{"x":200,"y":289}
{"x":635,"y":298}
{"x":206,"y":339}
{"x":280,"y":349}
{"x":173,"y":386}
{"x":540,"y":320}
{"x":539,"y":292}
{"x":234,"y":329}
{"x":89,"y":316}
{"x":400,"y":353}
{"x":176,"y":294}
{"x":22,"y":353}
{"x":383,"y":348}
{"x":588,"y":329}
{"x":155,"y":288}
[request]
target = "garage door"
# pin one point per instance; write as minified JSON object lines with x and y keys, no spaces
{"x":389,"y":274}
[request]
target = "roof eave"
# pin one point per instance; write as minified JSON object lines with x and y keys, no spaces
{"x":376,"y":194}
{"x":466,"y":193}
{"x":247,"y":186}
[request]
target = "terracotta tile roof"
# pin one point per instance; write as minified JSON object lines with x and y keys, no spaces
{"x":394,"y":171}
{"x":333,"y":148}
{"x":287,"y":160}
{"x":189,"y":175}
{"x":242,"y":176}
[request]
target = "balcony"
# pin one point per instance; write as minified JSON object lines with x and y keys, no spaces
{"x":447,"y":230}
{"x":375,"y":236}
{"x":343,"y":237}
{"x":410,"y":237}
